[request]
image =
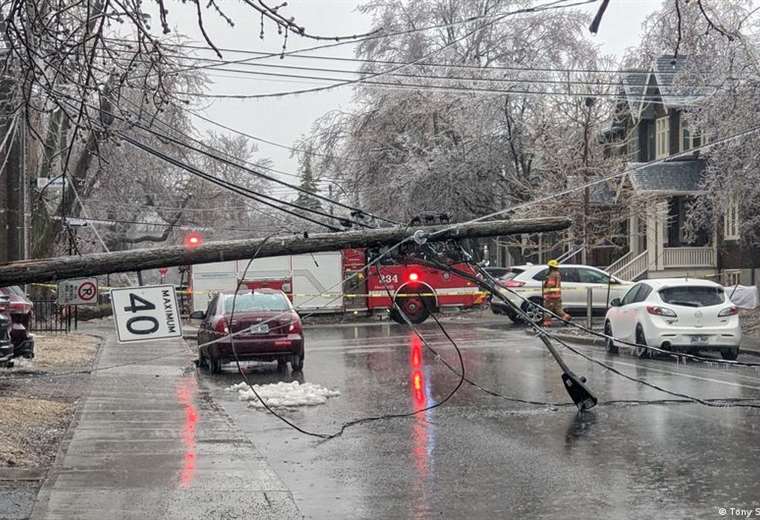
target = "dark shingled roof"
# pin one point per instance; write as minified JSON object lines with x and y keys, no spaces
{"x":634,"y":86}
{"x":599,"y":193}
{"x":677,"y":177}
{"x":666,"y":71}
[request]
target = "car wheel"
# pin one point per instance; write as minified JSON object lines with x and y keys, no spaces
{"x":730,"y":354}
{"x":642,"y":352}
{"x":514,"y":317}
{"x":610,"y":344}
{"x":296,"y":362}
{"x":532,"y":309}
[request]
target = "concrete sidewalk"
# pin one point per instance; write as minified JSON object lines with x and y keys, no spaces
{"x":148,"y":442}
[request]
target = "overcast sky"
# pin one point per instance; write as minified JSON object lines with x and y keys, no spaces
{"x":284,"y":120}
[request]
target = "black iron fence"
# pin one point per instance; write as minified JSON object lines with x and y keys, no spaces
{"x":48,"y":316}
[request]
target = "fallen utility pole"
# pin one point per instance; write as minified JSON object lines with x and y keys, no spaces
{"x":575,"y":385}
{"x":61,"y":268}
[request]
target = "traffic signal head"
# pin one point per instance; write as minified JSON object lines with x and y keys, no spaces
{"x":193,"y":240}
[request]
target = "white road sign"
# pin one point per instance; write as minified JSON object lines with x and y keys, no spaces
{"x":78,"y":292}
{"x":146,"y":313}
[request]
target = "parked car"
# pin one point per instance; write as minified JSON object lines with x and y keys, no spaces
{"x":497,"y":272}
{"x":273,"y":329}
{"x":525,"y":282}
{"x":676,"y":314}
{"x":6,"y":346}
{"x":20,"y":310}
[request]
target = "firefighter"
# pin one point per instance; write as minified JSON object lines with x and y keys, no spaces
{"x":552,"y":290}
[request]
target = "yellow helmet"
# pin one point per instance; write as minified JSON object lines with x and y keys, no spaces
{"x":553,"y":264}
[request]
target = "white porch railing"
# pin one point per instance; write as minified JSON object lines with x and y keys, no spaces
{"x":634,"y":268}
{"x":688,"y":257}
{"x":620,"y":262}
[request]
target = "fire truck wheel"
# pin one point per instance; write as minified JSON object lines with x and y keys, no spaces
{"x":413,"y":307}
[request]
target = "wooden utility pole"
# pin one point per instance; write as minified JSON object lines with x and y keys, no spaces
{"x":60,"y":268}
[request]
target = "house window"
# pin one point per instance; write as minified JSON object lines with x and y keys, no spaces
{"x":731,"y":220}
{"x":691,"y":138}
{"x":662,"y":137}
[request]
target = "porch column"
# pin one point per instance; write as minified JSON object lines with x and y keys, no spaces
{"x":633,"y":233}
{"x":657,"y":213}
{"x":651,"y":234}
{"x":662,"y":229}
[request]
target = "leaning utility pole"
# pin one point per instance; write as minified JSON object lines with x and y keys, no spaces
{"x":122,"y":261}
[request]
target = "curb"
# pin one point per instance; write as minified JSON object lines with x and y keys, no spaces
{"x":754,"y":350}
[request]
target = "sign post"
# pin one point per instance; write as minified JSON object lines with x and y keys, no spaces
{"x":146,"y":313}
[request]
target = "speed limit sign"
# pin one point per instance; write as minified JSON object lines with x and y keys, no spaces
{"x":146,"y":313}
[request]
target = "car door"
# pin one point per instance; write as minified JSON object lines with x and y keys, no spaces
{"x":573,"y":293}
{"x":623,"y":318}
{"x":637,"y":308}
{"x":597,"y":281}
{"x":206,"y":325}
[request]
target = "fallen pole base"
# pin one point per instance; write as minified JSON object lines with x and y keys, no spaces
{"x":579,"y":393}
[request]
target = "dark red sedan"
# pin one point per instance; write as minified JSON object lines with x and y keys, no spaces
{"x":265,"y":328}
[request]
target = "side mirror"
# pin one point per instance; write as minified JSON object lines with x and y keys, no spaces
{"x":614,"y":281}
{"x":197,"y":315}
{"x":615,"y":302}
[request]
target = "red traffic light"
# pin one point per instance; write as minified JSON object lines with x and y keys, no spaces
{"x":193,"y":240}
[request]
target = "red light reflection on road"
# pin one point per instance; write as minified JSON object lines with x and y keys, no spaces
{"x":185,"y":394}
{"x":421,"y":434}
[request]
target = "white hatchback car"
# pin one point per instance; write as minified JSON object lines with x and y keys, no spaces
{"x":525,"y":282}
{"x":676,"y":314}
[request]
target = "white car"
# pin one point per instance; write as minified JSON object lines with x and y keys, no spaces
{"x":676,"y":314}
{"x":525,"y":282}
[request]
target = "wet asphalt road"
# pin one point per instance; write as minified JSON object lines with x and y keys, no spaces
{"x":480,"y":456}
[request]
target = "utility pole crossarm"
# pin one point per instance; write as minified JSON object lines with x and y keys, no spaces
{"x":61,"y":268}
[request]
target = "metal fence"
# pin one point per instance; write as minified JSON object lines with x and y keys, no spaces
{"x":48,"y":316}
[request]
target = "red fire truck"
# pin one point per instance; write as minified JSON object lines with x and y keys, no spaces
{"x":341,"y":282}
{"x":416,"y":289}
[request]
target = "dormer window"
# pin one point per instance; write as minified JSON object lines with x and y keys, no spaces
{"x":662,"y":137}
{"x":691,"y":138}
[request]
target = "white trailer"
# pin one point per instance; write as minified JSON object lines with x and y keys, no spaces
{"x":314,"y":281}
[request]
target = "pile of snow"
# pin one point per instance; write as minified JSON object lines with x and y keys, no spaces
{"x":278,"y":395}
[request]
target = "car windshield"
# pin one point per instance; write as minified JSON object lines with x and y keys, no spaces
{"x":14,"y":290}
{"x":693,"y":296}
{"x":256,"y":301}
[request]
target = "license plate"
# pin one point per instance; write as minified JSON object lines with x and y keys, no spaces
{"x":262,"y":328}
{"x":699,"y":340}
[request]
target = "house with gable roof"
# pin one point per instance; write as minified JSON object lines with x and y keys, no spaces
{"x":663,"y":176}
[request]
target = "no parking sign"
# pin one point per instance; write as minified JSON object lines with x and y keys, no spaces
{"x":83,"y":291}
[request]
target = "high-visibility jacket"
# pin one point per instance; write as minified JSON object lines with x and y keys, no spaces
{"x":552,"y":286}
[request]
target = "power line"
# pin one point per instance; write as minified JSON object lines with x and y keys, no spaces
{"x":283,"y":53}
{"x":659,"y":99}
{"x":296,"y":54}
{"x":227,"y":185}
{"x":592,"y":82}
{"x":237,"y":164}
{"x":262,"y":175}
{"x":534,"y":9}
